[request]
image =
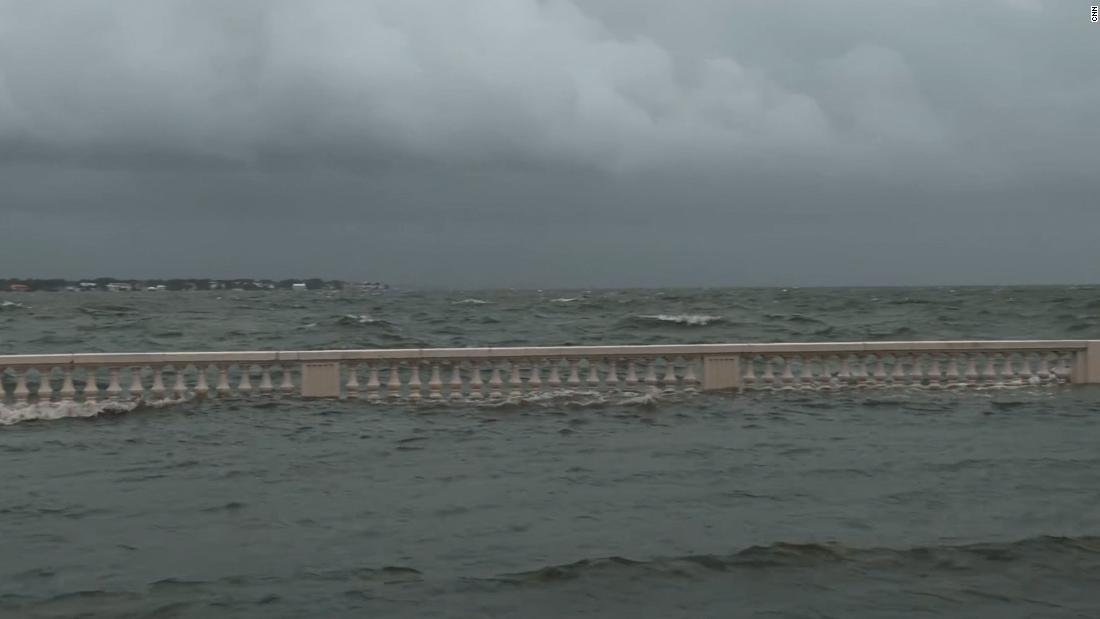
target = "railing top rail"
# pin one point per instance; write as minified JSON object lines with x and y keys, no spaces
{"x":540,"y":352}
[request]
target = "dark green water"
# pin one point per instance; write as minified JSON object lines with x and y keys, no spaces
{"x":861,"y":504}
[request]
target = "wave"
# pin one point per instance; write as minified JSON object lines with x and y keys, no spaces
{"x":470,"y":301}
{"x":107,"y":310}
{"x":643,"y":398}
{"x":690,"y":320}
{"x":892,"y":334}
{"x":565,"y":299}
{"x":1047,"y":550}
{"x":795,"y":318}
{"x":361,"y":319}
{"x":10,"y":415}
{"x":11,"y":305}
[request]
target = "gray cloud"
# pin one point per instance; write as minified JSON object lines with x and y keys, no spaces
{"x":607,"y":141}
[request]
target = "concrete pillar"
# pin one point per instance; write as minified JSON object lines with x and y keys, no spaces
{"x":721,"y":373}
{"x":1086,"y":366}
{"x":321,"y":380}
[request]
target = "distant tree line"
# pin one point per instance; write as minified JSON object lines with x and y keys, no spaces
{"x":201,"y":283}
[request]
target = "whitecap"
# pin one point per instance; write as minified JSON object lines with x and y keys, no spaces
{"x":694,"y":320}
{"x":361,"y":319}
{"x":564,"y":300}
{"x":470,"y":301}
{"x":74,"y":410}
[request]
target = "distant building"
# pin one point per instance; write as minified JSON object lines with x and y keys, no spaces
{"x":88,"y":285}
{"x":119,"y":287}
{"x":298,"y":286}
{"x":19,"y":288}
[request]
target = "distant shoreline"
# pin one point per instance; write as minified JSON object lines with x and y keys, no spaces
{"x":111,"y":284}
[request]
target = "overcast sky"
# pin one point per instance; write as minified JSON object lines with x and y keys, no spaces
{"x":539,"y":143}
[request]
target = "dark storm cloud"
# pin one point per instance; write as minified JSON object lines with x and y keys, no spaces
{"x":547,"y":142}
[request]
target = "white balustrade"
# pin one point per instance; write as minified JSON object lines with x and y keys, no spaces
{"x":516,"y":373}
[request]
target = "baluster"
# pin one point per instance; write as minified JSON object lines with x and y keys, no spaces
{"x":554,"y":381}
{"x":456,"y":380}
{"x":691,"y":381}
{"x":769,"y":371}
{"x":91,"y":389}
{"x":1044,"y":367}
{"x":988,"y":374}
{"x":1008,"y":373}
{"x":415,"y":387}
{"x":806,"y":376}
{"x":435,"y":383}
{"x":374,"y":386}
{"x":897,"y":373}
{"x":952,"y":375}
{"x":476,"y":388}
{"x":21,"y":392}
{"x":574,"y":379}
{"x":631,"y":379}
{"x":534,"y":379}
{"x":286,"y":382}
{"x":593,"y":379}
{"x":971,"y":373}
{"x":953,"y":370}
{"x":880,"y":370}
{"x":828,"y":380}
{"x":845,"y":374}
{"x":158,"y":382}
{"x":45,"y":389}
{"x":393,"y":385}
{"x":351,"y":387}
{"x":180,"y":387}
{"x":788,"y":374}
{"x":222,"y":387}
{"x":515,"y":382}
{"x":114,"y":389}
{"x":202,"y":389}
{"x":137,"y":387}
{"x":265,"y":380}
{"x":1064,"y":369}
{"x":244,"y":385}
{"x":860,"y":371}
{"x":651,"y":372}
{"x":612,"y":378}
{"x":495,"y":383}
{"x":916,"y":370}
{"x":1027,"y":372}
{"x":670,"y":379}
{"x":748,"y":378}
{"x":935,"y":373}
{"x":68,"y":390}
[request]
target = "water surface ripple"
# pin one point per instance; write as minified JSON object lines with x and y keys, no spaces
{"x":857,"y":504}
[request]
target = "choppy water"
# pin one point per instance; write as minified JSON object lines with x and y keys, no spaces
{"x":860,"y":504}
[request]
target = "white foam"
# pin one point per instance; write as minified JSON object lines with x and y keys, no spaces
{"x":12,"y":305}
{"x":362,"y":319}
{"x":470,"y":301}
{"x":66,"y":410}
{"x":564,"y":300}
{"x":685,"y":319}
{"x":60,"y":410}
